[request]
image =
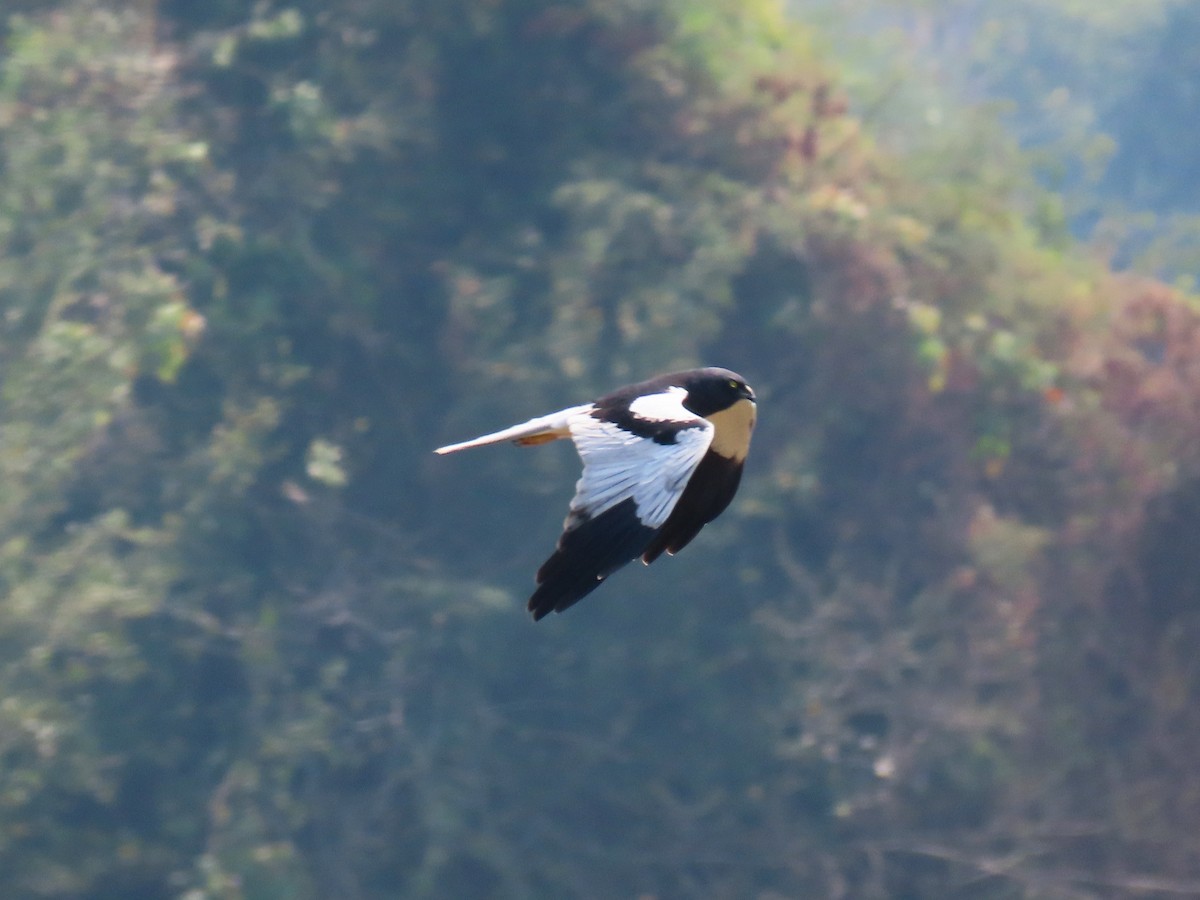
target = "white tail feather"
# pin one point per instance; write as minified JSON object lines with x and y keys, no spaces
{"x":547,"y":428}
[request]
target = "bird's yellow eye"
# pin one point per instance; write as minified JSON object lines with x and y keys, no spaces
{"x":733,"y":384}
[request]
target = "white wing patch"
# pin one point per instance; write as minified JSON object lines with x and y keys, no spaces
{"x":665,"y":407}
{"x":618,"y":465}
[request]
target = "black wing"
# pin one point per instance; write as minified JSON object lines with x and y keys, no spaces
{"x":586,"y":555}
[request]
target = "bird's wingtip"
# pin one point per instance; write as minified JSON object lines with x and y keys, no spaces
{"x":453,"y":448}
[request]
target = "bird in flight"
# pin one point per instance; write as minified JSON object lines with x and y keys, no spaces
{"x":661,"y":459}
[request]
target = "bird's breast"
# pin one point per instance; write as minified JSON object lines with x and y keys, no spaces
{"x":732,"y":428}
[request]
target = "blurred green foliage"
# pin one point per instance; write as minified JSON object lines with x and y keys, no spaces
{"x":256,"y":642}
{"x":1107,"y":116}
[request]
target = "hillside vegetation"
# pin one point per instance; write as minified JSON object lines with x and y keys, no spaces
{"x":257,"y":260}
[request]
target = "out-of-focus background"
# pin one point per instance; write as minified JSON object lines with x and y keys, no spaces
{"x":258,"y":259}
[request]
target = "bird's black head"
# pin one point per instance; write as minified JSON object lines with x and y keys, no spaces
{"x":712,"y":390}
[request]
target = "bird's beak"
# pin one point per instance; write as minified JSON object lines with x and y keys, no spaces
{"x":747,"y":393}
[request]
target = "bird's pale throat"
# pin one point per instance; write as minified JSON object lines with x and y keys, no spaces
{"x":731,"y":430}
